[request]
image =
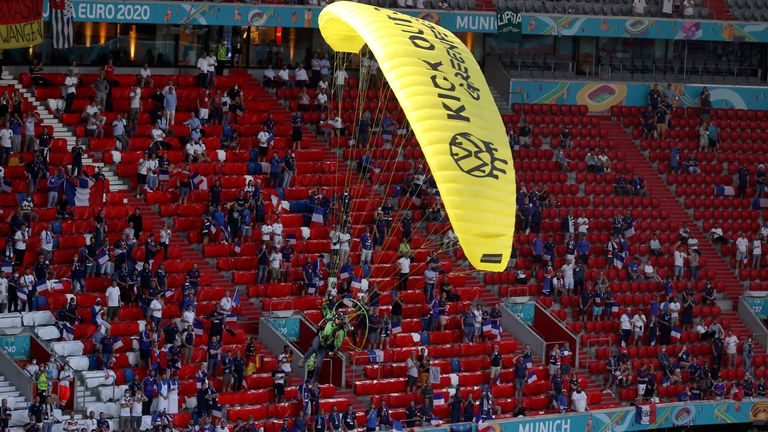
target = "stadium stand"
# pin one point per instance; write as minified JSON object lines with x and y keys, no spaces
{"x":593,"y":189}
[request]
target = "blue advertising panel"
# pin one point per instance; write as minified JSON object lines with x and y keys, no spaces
{"x":644,"y":28}
{"x":17,"y":347}
{"x":759,"y":305}
{"x":288,"y":327}
{"x":523,"y":311}
{"x":627,"y":419}
{"x":600,"y":96}
{"x":234,"y":14}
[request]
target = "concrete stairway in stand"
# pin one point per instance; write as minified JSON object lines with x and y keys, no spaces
{"x":729,"y":286}
{"x":60,"y":131}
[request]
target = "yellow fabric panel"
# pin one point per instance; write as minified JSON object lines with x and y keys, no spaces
{"x":452,"y":113}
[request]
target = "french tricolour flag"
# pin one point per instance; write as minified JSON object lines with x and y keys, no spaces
{"x":78,"y":191}
{"x":484,"y":427}
{"x":291,"y":238}
{"x":199,"y":182}
{"x":6,"y":267}
{"x":216,"y":410}
{"x":103,"y":257}
{"x":164,"y":174}
{"x":318,"y":215}
{"x":22,"y":294}
{"x":375,"y":356}
{"x":438,"y":399}
{"x":645,"y":414}
{"x":197,"y":325}
{"x":725,"y":190}
{"x":356,"y":283}
{"x":231,"y":317}
{"x":618,"y":260}
{"x":675,"y":334}
{"x":41,"y":285}
{"x":532,"y":377}
{"x":397,"y":328}
{"x":69,"y":332}
{"x":760,"y":203}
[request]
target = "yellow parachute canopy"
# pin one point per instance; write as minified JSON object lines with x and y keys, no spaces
{"x":452,"y":113}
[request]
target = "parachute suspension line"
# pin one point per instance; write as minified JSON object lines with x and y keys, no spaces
{"x":362,"y":90}
{"x":400,"y":211}
{"x":350,"y":172}
{"x":384,"y":95}
{"x":340,"y":63}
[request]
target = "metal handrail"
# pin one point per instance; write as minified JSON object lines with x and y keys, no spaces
{"x":592,"y":357}
{"x":527,"y":289}
{"x":291,"y":301}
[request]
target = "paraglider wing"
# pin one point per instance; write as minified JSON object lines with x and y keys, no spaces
{"x":452,"y":113}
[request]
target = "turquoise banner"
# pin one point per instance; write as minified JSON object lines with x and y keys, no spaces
{"x":234,"y":14}
{"x":601,"y":96}
{"x":625,"y":419}
{"x":759,"y":305}
{"x":523,"y":311}
{"x":17,"y":347}
{"x":645,"y":28}
{"x":288,"y":327}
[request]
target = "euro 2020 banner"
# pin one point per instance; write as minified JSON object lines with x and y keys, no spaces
{"x":21,"y":23}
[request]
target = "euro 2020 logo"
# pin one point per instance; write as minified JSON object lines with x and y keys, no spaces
{"x":475,"y":156}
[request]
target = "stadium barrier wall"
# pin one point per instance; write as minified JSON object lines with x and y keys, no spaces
{"x":601,"y":96}
{"x":201,"y":13}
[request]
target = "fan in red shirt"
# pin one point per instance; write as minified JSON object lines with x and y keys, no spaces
{"x":204,"y":107}
{"x":109,"y":71}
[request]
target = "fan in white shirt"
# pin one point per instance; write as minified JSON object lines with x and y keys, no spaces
{"x":202,"y":65}
{"x":321,"y":98}
{"x":579,"y":400}
{"x":301,"y":76}
{"x":340,"y":77}
{"x":284,"y":74}
{"x":264,"y":138}
{"x":638,"y":326}
{"x":135,"y":97}
{"x":266,"y":233}
{"x":225,"y":304}
{"x":583,"y":225}
{"x":277,"y":234}
{"x":157,"y":133}
{"x":46,"y":241}
{"x":638,"y":7}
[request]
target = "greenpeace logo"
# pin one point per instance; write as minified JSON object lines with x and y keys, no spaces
{"x":475,"y":156}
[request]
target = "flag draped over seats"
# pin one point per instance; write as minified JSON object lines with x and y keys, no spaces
{"x":721,"y":190}
{"x":84,"y":192}
{"x":645,"y":414}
